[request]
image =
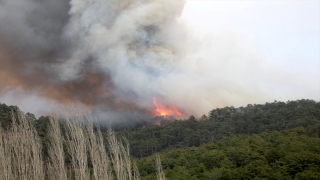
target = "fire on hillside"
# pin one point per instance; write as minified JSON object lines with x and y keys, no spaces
{"x":165,"y":111}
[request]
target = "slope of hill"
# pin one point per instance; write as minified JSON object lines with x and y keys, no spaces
{"x":289,"y":154}
{"x":222,"y":122}
{"x":272,"y":141}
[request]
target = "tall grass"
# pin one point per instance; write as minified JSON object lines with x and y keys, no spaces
{"x":160,"y":173}
{"x":21,"y":155}
{"x":56,"y":168}
{"x":20,"y":147}
{"x":97,"y":151}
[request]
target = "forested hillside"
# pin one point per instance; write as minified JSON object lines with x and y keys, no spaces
{"x":272,"y":141}
{"x":219,"y":123}
{"x":222,"y":122}
{"x":289,"y":154}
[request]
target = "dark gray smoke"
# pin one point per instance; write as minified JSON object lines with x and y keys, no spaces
{"x":106,"y":54}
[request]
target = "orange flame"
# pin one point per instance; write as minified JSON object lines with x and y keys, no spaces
{"x":165,"y":111}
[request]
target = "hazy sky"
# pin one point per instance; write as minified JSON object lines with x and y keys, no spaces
{"x":287,"y":34}
{"x":219,"y":53}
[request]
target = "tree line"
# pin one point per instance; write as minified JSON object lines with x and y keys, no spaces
{"x":220,"y":123}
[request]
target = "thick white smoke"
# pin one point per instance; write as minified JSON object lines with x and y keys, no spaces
{"x":140,"y":44}
{"x":148,"y":52}
{"x":118,"y":55}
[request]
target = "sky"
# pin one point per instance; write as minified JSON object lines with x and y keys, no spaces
{"x":292,"y":26}
{"x":287,"y":34}
{"x":193,"y":57}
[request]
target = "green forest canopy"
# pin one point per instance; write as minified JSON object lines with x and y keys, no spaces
{"x":288,"y":154}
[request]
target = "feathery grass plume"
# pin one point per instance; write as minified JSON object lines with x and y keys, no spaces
{"x":2,"y":154}
{"x":120,"y":157}
{"x":77,"y":145}
{"x":115,"y":155}
{"x":98,"y":155}
{"x":136,"y":173}
{"x":21,"y":151}
{"x":5,"y":166}
{"x":56,"y":168}
{"x":5,"y":156}
{"x":125,"y":151}
{"x":160,"y":173}
{"x":23,"y":148}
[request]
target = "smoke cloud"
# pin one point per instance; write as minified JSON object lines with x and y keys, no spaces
{"x":107,"y":54}
{"x":116,"y":56}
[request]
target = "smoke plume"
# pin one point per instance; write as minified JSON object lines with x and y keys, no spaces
{"x":117,"y":56}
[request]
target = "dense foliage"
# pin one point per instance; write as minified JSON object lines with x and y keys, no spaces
{"x":222,"y":122}
{"x":290,"y":154}
{"x":278,"y":140}
{"x":6,"y":114}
